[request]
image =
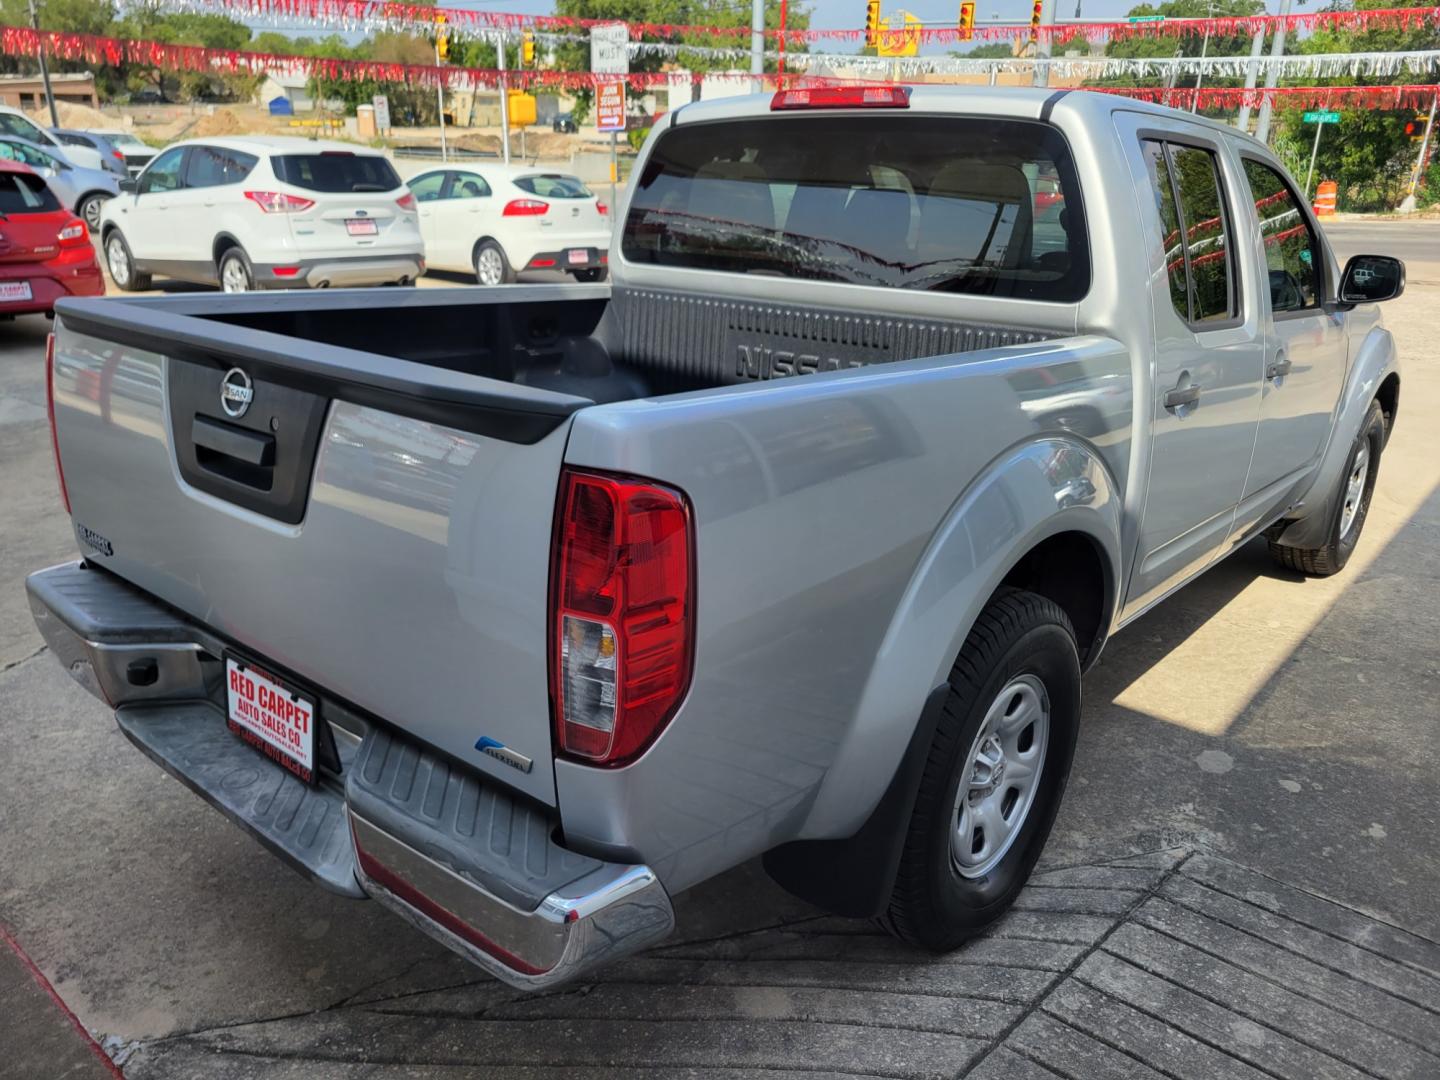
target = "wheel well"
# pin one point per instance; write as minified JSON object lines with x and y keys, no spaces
{"x":90,"y":194}
{"x":1389,"y":397}
{"x":1069,"y":569}
{"x":475,"y":249}
{"x":223,"y":243}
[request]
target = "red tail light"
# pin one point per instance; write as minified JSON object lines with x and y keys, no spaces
{"x":524,"y":208}
{"x":285,"y":271}
{"x":842,"y":97}
{"x":50,"y":411}
{"x":622,"y":615}
{"x":277,"y":202}
{"x":406,"y":201}
{"x":539,"y":263}
{"x":74,"y":235}
{"x":601,"y":207}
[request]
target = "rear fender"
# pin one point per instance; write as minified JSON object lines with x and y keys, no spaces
{"x":1375,"y":360}
{"x":1030,"y":493}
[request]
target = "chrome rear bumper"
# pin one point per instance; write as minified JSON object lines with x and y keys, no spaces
{"x":526,"y":910}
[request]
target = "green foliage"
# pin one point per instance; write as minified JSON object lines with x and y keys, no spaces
{"x":1188,"y":44}
{"x":991,"y":50}
{"x":636,"y":138}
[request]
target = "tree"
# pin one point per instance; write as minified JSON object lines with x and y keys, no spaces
{"x":991,"y":50}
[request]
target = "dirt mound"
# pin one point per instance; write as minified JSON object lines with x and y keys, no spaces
{"x":488,"y":144}
{"x":220,"y":122}
{"x":72,"y":115}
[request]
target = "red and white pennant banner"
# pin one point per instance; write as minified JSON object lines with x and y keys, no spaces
{"x":378,"y":14}
{"x":22,"y":41}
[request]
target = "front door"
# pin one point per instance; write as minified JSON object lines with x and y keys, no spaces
{"x":1305,"y":365}
{"x":1209,"y":355}
{"x":146,"y":219}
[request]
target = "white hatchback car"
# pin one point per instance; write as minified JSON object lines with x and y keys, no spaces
{"x":264,"y":213}
{"x":496,"y":220}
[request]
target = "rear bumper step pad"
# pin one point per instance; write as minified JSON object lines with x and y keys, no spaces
{"x":467,"y":862}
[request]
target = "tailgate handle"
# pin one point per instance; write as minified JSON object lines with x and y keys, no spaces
{"x":248,"y":446}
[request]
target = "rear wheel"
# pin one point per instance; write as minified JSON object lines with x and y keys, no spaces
{"x":89,"y":209}
{"x":121,"y":264}
{"x":1352,"y":505}
{"x":994,"y":776}
{"x":235,"y":275}
{"x":491,"y":265}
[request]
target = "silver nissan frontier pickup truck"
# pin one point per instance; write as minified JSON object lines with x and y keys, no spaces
{"x":522,"y":609}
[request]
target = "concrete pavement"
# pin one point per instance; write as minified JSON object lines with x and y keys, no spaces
{"x":1241,"y":882}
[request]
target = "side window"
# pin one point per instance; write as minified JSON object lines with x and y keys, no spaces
{"x":164,"y":172}
{"x":1291,"y":250}
{"x":1201,"y":230}
{"x":427,"y":188}
{"x":469,"y":186}
{"x":1158,"y":167}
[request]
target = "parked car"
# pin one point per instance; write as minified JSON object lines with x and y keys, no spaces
{"x":794,"y":543}
{"x":564,"y":124}
{"x":264,"y":213}
{"x":111,"y":157}
{"x":137,"y":152}
{"x":45,"y":250}
{"x":494,"y":221}
{"x":84,"y":191}
{"x":16,"y":123}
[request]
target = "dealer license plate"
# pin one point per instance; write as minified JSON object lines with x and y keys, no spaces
{"x":14,"y":290}
{"x":271,"y":717}
{"x":578,"y":256}
{"x":361,"y":227}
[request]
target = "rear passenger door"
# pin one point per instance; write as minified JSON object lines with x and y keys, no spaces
{"x":1308,"y":349}
{"x":1209,"y":355}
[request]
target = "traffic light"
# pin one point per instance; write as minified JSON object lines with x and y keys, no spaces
{"x":527,"y":49}
{"x":1036,"y":10}
{"x":872,"y":23}
{"x":442,"y":37}
{"x":967,"y":20}
{"x":1416,"y":128}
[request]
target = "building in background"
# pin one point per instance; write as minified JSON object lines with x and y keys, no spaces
{"x":28,"y":92}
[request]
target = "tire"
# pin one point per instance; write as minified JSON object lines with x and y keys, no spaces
{"x":121,"y":264}
{"x":234,"y":273}
{"x":598,"y":274}
{"x":89,"y":210}
{"x":1018,"y":672}
{"x":1352,"y":505}
{"x":491,"y":265}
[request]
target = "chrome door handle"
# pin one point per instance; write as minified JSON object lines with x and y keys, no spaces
{"x":1278,"y":369}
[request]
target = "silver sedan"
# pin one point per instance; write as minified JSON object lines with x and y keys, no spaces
{"x":79,"y":189}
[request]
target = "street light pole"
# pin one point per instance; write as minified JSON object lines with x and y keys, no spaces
{"x":505,"y":104}
{"x":757,"y":43}
{"x":1252,"y":73}
{"x":1277,"y":50}
{"x":44,"y":67}
{"x":1043,"y":45}
{"x":1314,"y":153}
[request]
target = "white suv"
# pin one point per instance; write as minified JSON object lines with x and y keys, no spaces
{"x":264,"y":213}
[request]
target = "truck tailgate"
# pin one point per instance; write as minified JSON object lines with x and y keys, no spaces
{"x":373,"y":527}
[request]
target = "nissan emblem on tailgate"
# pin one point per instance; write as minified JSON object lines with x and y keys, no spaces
{"x":236,"y":392}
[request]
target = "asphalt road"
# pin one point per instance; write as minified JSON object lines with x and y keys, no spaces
{"x":1290,"y":726}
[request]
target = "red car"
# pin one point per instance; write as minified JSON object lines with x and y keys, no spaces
{"x":45,"y":250}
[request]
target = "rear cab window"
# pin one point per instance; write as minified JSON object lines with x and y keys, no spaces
{"x":1198,"y":233}
{"x":335,"y":171}
{"x":946,"y":203}
{"x":23,"y":194}
{"x":553,"y":186}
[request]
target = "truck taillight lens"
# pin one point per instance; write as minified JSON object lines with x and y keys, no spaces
{"x":524,"y":208}
{"x":622,"y":618}
{"x":50,"y":411}
{"x":277,"y":202}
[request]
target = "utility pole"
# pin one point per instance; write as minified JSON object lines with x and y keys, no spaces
{"x":440,"y":108}
{"x":1314,"y":153}
{"x":1408,"y":205}
{"x":44,"y":66}
{"x":504,"y":102}
{"x":1204,"y":48}
{"x":1277,"y":50}
{"x":1252,"y":73}
{"x":1043,"y":44}
{"x":757,"y":43}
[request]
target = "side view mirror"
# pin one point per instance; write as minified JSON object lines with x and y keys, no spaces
{"x":128,"y":186}
{"x":1368,"y":279}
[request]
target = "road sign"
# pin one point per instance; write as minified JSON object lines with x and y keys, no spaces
{"x":1146,"y":18}
{"x":1321,"y":118}
{"x":610,"y":106}
{"x":609,"y":54}
{"x":382,"y":112}
{"x":902,"y":38}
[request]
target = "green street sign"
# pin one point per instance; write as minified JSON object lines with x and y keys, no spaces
{"x":1146,"y":18}
{"x":1321,"y":118}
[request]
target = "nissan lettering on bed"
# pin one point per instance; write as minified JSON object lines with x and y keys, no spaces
{"x":792,"y":542}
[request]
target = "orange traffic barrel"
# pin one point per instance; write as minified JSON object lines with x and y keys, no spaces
{"x":1325,"y":198}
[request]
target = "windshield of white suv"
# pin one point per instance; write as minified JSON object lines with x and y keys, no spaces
{"x":335,"y":170}
{"x":955,"y":204}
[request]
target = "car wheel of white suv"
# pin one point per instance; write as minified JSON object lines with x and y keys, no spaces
{"x":121,"y":264}
{"x":235,"y":273}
